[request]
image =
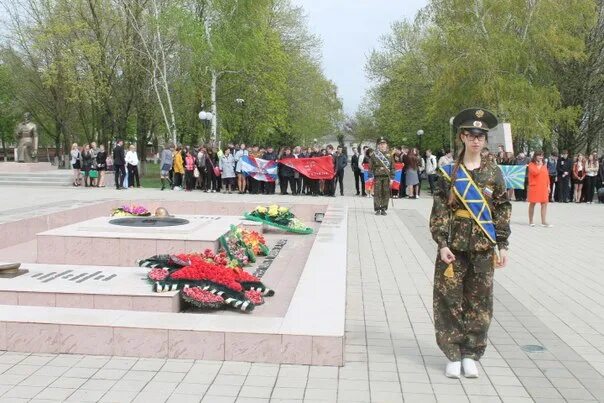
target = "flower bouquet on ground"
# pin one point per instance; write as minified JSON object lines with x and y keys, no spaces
{"x":278,"y":217}
{"x":130,"y":211}
{"x":206,"y":280}
{"x":235,"y":248}
{"x":254,"y":241}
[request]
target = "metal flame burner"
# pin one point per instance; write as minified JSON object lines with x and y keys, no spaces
{"x":148,"y":222}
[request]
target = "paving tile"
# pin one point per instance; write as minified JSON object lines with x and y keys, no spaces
{"x":23,"y":392}
{"x":267,"y":381}
{"x":82,"y":395}
{"x":419,"y":397}
{"x":262,"y":392}
{"x":67,"y":382}
{"x":287,"y":393}
{"x":129,"y":385}
{"x":176,"y":398}
{"x":168,"y":376}
{"x":223,"y":390}
{"x":55,"y":393}
{"x":191,"y":389}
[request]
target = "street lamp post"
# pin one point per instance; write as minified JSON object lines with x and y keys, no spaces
{"x":206,"y":118}
{"x":420,"y":133}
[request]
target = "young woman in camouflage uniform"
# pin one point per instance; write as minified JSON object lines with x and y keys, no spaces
{"x":463,"y":277}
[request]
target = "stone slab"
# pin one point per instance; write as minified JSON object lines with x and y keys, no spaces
{"x":122,"y":246}
{"x":91,"y":287}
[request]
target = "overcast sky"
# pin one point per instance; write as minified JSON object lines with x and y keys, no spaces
{"x":350,"y":29}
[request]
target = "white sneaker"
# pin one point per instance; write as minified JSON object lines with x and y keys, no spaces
{"x":453,"y":369}
{"x":469,"y":368}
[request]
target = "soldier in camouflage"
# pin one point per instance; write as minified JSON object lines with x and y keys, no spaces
{"x":463,"y":276}
{"x":382,"y":166}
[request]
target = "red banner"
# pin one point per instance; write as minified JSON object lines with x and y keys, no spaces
{"x":312,"y":168}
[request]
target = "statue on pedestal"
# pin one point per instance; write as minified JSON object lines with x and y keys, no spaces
{"x":27,"y":137}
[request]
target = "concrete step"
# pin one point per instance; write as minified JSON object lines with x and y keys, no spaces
{"x":47,"y":178}
{"x":36,"y":183}
{"x":89,"y":287}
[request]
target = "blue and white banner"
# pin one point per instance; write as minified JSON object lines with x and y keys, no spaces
{"x":259,"y":169}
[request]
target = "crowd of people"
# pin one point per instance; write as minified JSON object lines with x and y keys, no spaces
{"x":569,"y":179}
{"x":91,"y":163}
{"x":211,"y":169}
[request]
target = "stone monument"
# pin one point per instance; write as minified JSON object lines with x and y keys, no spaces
{"x":27,"y":139}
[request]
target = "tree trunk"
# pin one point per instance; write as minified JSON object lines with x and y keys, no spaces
{"x":214,"y":132}
{"x":4,"y":150}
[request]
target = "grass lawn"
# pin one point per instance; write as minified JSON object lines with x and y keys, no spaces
{"x":151,"y":177}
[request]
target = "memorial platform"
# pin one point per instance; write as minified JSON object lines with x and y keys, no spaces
{"x":63,"y":305}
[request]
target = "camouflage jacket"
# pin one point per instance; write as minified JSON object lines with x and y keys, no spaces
{"x":463,"y":234}
{"x":377,"y":167}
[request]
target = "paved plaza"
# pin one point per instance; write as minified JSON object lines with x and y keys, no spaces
{"x":550,"y":296}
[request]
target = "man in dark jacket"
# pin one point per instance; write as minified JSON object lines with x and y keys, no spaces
{"x":563,"y":168}
{"x":340,"y":162}
{"x":270,"y":155}
{"x":287,"y":173}
{"x":119,"y":164}
{"x":354,"y":164}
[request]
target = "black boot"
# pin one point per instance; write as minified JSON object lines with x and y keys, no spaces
{"x":163,"y":183}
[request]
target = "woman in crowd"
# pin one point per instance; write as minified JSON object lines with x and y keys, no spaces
{"x":165,"y":165}
{"x":227,"y":170}
{"x":578,"y":177}
{"x":411,"y":173}
{"x":94,"y":171}
{"x":189,"y":170}
{"x":132,"y":166}
{"x":201,"y":167}
{"x":87,"y":164}
{"x":396,"y":159}
{"x":241,"y":180}
{"x":421,"y":168}
{"x":76,"y":164}
{"x":101,"y":165}
{"x":591,"y":177}
{"x":211,"y":163}
{"x":368,"y":154}
{"x":178,"y":168}
{"x":538,"y":187}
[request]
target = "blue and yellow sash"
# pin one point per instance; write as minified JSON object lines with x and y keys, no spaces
{"x":472,"y":198}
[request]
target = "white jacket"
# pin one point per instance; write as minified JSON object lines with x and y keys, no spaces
{"x":132,"y":158}
{"x":431,"y":165}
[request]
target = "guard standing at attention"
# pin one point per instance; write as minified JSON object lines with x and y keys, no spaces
{"x":380,"y":163}
{"x":470,"y":222}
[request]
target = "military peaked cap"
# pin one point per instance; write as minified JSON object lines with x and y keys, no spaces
{"x":475,"y":118}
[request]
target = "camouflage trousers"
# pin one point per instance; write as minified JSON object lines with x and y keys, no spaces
{"x":463,"y":304}
{"x":381,"y":192}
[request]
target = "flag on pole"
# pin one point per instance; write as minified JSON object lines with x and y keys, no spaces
{"x":395,"y":184}
{"x":514,"y":176}
{"x":259,"y":169}
{"x":369,"y":178}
